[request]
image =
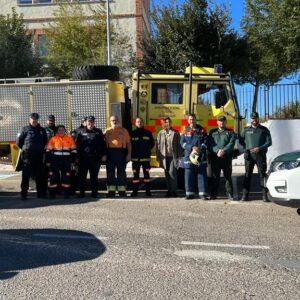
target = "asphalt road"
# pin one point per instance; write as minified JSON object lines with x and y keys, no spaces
{"x":144,"y":248}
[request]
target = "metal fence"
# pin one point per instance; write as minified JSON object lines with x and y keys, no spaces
{"x":281,"y":101}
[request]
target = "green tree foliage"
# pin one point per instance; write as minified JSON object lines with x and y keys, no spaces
{"x":17,"y":56}
{"x":78,"y":37}
{"x":289,"y":111}
{"x":272,"y":32}
{"x":193,"y":32}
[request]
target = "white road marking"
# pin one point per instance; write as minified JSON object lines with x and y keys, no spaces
{"x":225,"y":245}
{"x":212,"y":255}
{"x":67,"y":236}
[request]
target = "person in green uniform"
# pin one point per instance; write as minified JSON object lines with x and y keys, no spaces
{"x":256,"y":139}
{"x":221,"y":144}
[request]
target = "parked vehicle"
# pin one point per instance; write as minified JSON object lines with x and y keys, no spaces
{"x":284,"y":180}
{"x":207,"y":92}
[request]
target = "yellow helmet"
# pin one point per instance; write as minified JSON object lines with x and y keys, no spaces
{"x":195,"y":158}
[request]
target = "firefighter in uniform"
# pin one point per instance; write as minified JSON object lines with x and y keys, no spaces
{"x":221,"y":144}
{"x":60,"y":153}
{"x":256,"y":139}
{"x":91,"y":150}
{"x":51,"y":129}
{"x":194,"y":141}
{"x":142,"y":142}
{"x":118,"y":155}
{"x":32,"y":141}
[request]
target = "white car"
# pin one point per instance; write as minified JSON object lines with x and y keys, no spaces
{"x":284,"y":180}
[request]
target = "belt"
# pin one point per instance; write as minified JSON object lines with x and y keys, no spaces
{"x":61,"y":153}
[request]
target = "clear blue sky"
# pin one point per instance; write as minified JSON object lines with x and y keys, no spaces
{"x":236,"y":8}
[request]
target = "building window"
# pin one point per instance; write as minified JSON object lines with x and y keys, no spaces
{"x":24,"y":1}
{"x":42,"y":45}
{"x":167,"y":93}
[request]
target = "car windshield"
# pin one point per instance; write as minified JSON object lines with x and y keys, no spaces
{"x":207,"y":91}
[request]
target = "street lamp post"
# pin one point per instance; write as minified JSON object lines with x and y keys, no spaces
{"x":108,"y":32}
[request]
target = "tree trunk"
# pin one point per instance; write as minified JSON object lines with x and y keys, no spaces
{"x":255,"y":97}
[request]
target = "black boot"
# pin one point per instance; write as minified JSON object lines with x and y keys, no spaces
{"x":24,"y":196}
{"x":111,"y":194}
{"x":148,"y":193}
{"x":134,"y":193}
{"x":245,"y":197}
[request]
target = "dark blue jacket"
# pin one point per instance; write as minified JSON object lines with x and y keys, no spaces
{"x":194,"y":138}
{"x":142,"y":142}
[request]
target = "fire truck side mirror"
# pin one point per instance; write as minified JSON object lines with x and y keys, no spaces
{"x":220,"y":98}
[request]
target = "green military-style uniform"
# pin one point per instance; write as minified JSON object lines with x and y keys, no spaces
{"x":221,"y":139}
{"x":250,"y":138}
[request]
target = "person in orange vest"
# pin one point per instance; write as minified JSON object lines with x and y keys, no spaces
{"x":118,"y":155}
{"x":60,"y":154}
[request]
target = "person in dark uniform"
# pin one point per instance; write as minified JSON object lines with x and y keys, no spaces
{"x":91,"y":150}
{"x":194,"y":142}
{"x":50,"y":128}
{"x":142,"y":142}
{"x":221,"y":144}
{"x":75,"y":132}
{"x":32,"y":141}
{"x":74,"y":171}
{"x":256,"y":139}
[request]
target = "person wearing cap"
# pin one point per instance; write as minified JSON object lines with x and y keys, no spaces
{"x":32,"y":141}
{"x":91,"y":149}
{"x":168,"y":153}
{"x":75,"y":132}
{"x":194,"y":141}
{"x":142,"y":142}
{"x":118,"y":155}
{"x":50,"y":127}
{"x":60,"y":154}
{"x":221,"y":144}
{"x":256,"y":139}
{"x":75,"y":167}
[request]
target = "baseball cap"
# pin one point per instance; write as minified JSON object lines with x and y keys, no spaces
{"x":91,"y":118}
{"x":34,"y":116}
{"x":51,"y":117}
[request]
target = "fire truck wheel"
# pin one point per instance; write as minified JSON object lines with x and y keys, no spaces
{"x":92,"y":72}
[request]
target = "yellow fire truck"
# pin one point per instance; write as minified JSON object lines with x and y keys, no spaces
{"x":207,"y":92}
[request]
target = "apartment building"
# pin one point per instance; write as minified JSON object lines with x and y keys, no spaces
{"x":130,"y":17}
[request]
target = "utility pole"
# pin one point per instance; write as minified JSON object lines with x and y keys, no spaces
{"x":108,"y":33}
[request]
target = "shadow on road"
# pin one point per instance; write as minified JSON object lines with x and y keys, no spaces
{"x":23,"y":249}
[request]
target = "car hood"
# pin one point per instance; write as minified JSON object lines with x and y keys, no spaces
{"x":291,"y":156}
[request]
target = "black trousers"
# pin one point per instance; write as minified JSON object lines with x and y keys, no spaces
{"x":60,"y":174}
{"x":252,"y":159}
{"x":219,"y":164}
{"x":136,"y":166}
{"x":91,"y":165}
{"x":33,"y":167}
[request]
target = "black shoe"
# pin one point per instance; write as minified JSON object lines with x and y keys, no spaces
{"x":245,"y":197}
{"x":41,"y":196}
{"x":189,"y":197}
{"x":230,"y":197}
{"x":174,"y":195}
{"x":148,"y":194}
{"x":110,"y":194}
{"x":204,"y":197}
{"x":52,"y":195}
{"x":212,"y":197}
{"x":122,"y":194}
{"x":133,"y":194}
{"x":66,"y":196}
{"x":168,"y":195}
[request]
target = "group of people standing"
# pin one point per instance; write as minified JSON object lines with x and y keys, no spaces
{"x":51,"y":155}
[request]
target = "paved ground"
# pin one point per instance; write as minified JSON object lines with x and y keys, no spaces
{"x":146,"y":248}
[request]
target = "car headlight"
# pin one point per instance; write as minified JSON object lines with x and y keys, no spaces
{"x":285,"y":165}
